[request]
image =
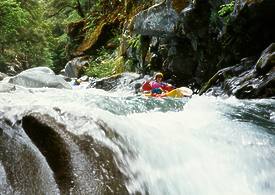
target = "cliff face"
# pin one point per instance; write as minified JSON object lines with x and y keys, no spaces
{"x":187,"y":40}
{"x":115,"y":17}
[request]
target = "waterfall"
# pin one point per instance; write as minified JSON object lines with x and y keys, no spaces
{"x":121,"y":143}
{"x":204,"y":149}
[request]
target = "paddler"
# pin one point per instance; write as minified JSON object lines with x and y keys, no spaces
{"x":157,"y":86}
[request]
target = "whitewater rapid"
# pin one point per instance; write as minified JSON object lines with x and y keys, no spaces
{"x":194,"y":146}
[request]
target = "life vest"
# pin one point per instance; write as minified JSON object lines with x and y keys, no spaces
{"x":155,"y":84}
{"x":146,"y":86}
{"x":150,"y":85}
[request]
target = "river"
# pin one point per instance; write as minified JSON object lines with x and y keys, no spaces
{"x":192,"y":146}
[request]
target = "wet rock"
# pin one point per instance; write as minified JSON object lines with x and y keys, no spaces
{"x":39,"y":77}
{"x":118,"y":81}
{"x":2,"y":76}
{"x":267,"y":60}
{"x":68,"y":79}
{"x":38,"y":155}
{"x":80,"y":164}
{"x":53,"y":146}
{"x":198,"y":42}
{"x":106,"y":83}
{"x":183,"y":47}
{"x":158,"y":20}
{"x":249,"y":79}
{"x":13,"y":68}
{"x":249,"y":30}
{"x":84,"y":78}
{"x":262,"y":87}
{"x":75,"y":67}
{"x":26,"y":171}
{"x":194,"y":21}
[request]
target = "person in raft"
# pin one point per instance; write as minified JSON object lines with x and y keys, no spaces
{"x":156,"y":86}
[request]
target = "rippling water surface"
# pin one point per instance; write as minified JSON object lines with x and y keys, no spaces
{"x":194,"y":146}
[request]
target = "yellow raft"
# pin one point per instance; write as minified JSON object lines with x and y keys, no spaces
{"x":180,"y":92}
{"x":175,"y":93}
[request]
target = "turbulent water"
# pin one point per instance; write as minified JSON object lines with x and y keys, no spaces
{"x":194,"y":146}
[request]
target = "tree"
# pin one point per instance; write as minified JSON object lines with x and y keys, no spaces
{"x":60,"y":13}
{"x":12,"y":18}
{"x":81,"y":7}
{"x":24,"y":33}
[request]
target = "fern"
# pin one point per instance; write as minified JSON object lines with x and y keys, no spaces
{"x":226,"y":9}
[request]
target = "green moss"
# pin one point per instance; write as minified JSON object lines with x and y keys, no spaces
{"x":104,"y":65}
{"x":119,"y":65}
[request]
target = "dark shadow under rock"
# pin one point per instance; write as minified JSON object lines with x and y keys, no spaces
{"x":53,"y":147}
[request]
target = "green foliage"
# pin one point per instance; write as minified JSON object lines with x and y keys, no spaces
{"x":91,"y":24}
{"x":33,"y":32}
{"x":101,"y":67}
{"x":72,"y":17}
{"x":60,"y":8}
{"x":59,"y":55}
{"x":115,"y":37}
{"x":97,"y":6}
{"x":24,"y":33}
{"x":11,"y":20}
{"x":226,"y":9}
{"x":135,"y":42}
{"x":60,"y":13}
{"x":130,"y":65}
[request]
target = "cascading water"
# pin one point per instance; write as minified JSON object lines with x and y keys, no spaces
{"x":208,"y":148}
{"x":200,"y":145}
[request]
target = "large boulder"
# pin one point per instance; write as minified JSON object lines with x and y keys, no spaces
{"x":75,"y":67}
{"x":267,"y":60}
{"x":194,"y":41}
{"x":249,"y":31}
{"x":249,"y":79}
{"x":39,"y":77}
{"x":158,"y":20}
{"x":116,"y":82}
{"x":40,"y":155}
{"x":182,"y":44}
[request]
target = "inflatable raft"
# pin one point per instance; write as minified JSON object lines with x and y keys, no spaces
{"x":175,"y":93}
{"x":170,"y":91}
